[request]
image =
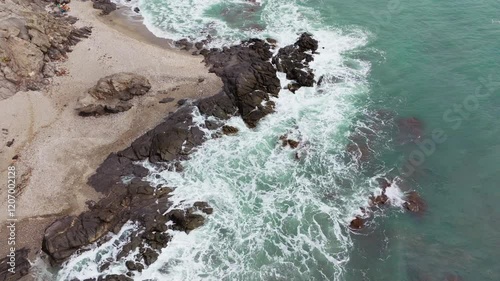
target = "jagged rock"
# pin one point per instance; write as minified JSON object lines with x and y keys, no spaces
{"x":294,"y":61}
{"x":111,"y":94}
{"x":290,"y":142}
{"x":133,"y":266}
{"x":204,"y":207}
{"x":121,"y":85}
{"x":184,"y":44}
{"x":307,"y":43}
{"x":185,"y":220}
{"x":106,"y":6}
{"x":219,"y":105}
{"x":248,"y":76}
{"x":150,"y":256}
{"x":138,"y":201}
{"x":229,"y":130}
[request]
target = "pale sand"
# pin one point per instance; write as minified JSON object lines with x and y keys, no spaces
{"x":59,"y":150}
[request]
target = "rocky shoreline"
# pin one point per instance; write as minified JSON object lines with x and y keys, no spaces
{"x":56,"y":128}
{"x":249,"y":82}
{"x":248,"y":72}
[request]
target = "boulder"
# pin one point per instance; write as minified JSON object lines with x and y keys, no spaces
{"x":229,"y":130}
{"x":112,"y":93}
{"x":106,"y":6}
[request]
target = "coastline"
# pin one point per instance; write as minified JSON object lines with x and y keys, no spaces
{"x":61,"y":150}
{"x":131,"y":24}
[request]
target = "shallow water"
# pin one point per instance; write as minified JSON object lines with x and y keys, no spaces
{"x":277,"y":218}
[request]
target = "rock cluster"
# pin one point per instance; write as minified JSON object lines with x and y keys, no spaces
{"x":30,"y":38}
{"x":250,"y":81}
{"x":248,"y":76}
{"x":413,"y":203}
{"x":112,"y":94}
{"x":294,"y":61}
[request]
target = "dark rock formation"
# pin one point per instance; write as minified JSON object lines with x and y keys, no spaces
{"x":20,"y":263}
{"x":248,"y":76}
{"x":294,"y":61}
{"x":285,"y":141}
{"x":249,"y":82}
{"x":112,"y":93}
{"x":379,"y":199}
{"x":138,"y":201}
{"x":229,"y":130}
{"x":106,"y":6}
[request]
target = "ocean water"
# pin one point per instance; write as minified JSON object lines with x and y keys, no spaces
{"x":279,"y":218}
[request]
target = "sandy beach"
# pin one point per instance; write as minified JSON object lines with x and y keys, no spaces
{"x":55,"y":150}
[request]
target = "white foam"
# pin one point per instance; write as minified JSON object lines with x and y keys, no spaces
{"x":87,"y":263}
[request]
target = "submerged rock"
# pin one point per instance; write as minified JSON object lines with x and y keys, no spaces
{"x":414,"y":203}
{"x":357,"y":223}
{"x":410,"y":129}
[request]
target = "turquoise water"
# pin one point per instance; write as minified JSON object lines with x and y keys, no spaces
{"x":277,"y":218}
